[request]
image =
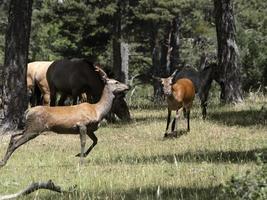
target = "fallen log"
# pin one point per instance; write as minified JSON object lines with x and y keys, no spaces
{"x":49,"y":185}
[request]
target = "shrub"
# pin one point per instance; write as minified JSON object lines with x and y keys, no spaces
{"x":248,"y":186}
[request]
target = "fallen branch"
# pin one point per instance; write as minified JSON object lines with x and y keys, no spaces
{"x":33,"y":187}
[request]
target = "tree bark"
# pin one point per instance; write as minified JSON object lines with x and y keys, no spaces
{"x":120,"y":49}
{"x":14,"y":70}
{"x":228,"y":55}
{"x":120,"y":66}
{"x":170,"y":57}
{"x":124,"y":62}
{"x":175,"y":45}
{"x":156,"y":68}
{"x":165,"y":56}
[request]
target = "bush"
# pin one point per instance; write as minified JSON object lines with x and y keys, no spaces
{"x":248,"y":186}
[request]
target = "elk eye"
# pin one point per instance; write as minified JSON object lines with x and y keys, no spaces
{"x":117,"y":83}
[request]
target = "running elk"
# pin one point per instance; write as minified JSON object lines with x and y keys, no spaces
{"x":82,"y":119}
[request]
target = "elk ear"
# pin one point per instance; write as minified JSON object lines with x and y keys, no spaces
{"x":174,"y":73}
{"x":156,"y":78}
{"x":102,"y":73}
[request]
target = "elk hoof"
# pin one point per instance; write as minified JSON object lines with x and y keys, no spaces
{"x":79,"y":155}
{"x":2,"y":163}
{"x":174,"y":134}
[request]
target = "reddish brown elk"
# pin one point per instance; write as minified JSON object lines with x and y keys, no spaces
{"x":179,"y":95}
{"x":82,"y":119}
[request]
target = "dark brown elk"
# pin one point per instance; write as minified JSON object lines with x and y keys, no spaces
{"x":74,"y":77}
{"x":82,"y":119}
{"x":202,"y":80}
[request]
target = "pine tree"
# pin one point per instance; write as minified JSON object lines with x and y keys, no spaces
{"x":228,"y":53}
{"x":14,"y":70}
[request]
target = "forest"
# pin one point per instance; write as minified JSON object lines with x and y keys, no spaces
{"x":131,"y":66}
{"x":86,"y":29}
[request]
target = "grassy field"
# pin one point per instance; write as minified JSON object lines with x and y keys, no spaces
{"x":133,"y":161}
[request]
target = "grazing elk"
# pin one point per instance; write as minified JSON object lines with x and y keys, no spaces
{"x":180,"y":94}
{"x":37,"y":85}
{"x":72,"y":78}
{"x":202,"y":81}
{"x":82,"y":119}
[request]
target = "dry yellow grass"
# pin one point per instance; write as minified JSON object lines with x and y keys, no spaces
{"x":133,"y":161}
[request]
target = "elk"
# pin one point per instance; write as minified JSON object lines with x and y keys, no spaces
{"x":202,"y":80}
{"x":82,"y":119}
{"x":72,"y":77}
{"x":36,"y":82}
{"x":179,"y":95}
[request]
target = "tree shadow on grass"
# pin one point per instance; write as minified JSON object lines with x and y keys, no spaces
{"x":163,"y":118}
{"x":155,"y":192}
{"x":204,"y":156}
{"x":241,"y":118}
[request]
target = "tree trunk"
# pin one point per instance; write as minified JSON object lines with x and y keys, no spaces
{"x":120,"y":49}
{"x":165,"y":56}
{"x":124,"y":73}
{"x":14,"y":70}
{"x":175,"y":44}
{"x":170,"y":57}
{"x":157,"y":69}
{"x":228,"y":55}
{"x":120,"y":66}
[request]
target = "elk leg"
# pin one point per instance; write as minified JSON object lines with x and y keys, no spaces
{"x":16,"y":143}
{"x":75,"y":95}
{"x":31,"y":97}
{"x":46,"y":99}
{"x":168,"y":121}
{"x":89,"y":98}
{"x":37,"y":94}
{"x":75,"y":100}
{"x":174,"y":123}
{"x":83,"y":131}
{"x":188,"y":119}
{"x":83,"y":97}
{"x":204,"y":110}
{"x":46,"y":94}
{"x":94,"y":138}
{"x":184,"y":111}
{"x":53,"y":97}
{"x":62,"y":99}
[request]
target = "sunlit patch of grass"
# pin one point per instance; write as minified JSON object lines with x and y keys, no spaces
{"x":134,"y":161}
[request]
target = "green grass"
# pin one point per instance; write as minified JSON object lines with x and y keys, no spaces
{"x":133,"y":161}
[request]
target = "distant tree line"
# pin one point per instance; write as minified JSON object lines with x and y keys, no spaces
{"x":85,"y":28}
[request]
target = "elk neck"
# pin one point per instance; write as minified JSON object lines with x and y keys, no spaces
{"x":105,"y":103}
